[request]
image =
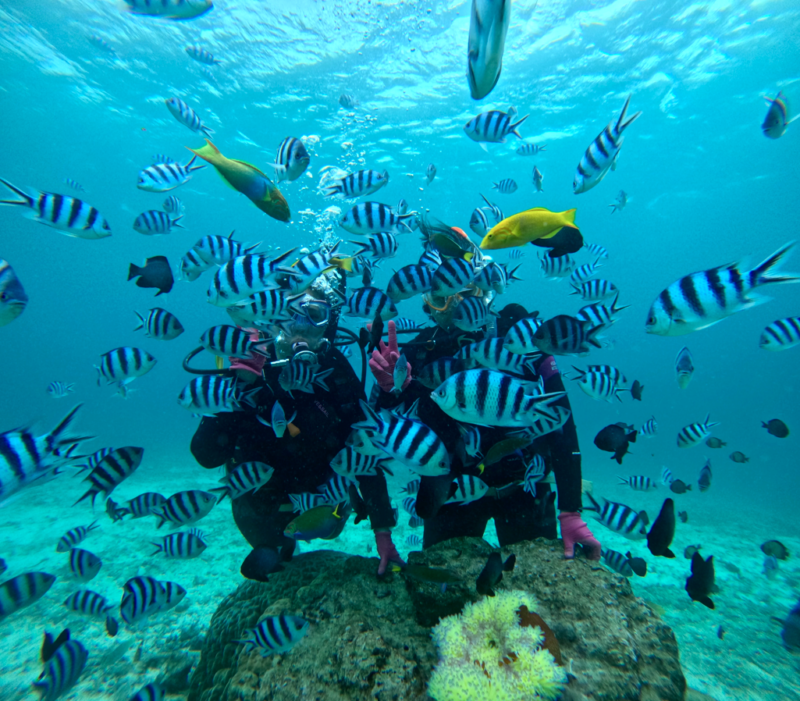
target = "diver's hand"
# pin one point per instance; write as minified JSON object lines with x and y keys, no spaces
{"x":383,"y":361}
{"x":387,"y":552}
{"x":574,"y":530}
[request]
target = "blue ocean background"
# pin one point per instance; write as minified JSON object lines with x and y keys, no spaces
{"x":705,"y":188}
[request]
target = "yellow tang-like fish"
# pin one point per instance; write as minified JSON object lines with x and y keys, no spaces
{"x":527,"y":227}
{"x":248,"y":180}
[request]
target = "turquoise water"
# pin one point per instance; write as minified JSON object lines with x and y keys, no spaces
{"x":705,"y":188}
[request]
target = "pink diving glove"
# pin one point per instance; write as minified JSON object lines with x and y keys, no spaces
{"x":382,"y":362}
{"x":255,"y":363}
{"x":574,"y":530}
{"x":386,"y":551}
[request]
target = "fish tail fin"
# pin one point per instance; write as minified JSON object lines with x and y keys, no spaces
{"x":364,"y":249}
{"x":514,"y":126}
{"x":622,"y":122}
{"x":615,"y":308}
{"x":623,"y":480}
{"x":190,"y":167}
{"x":175,"y":222}
{"x":595,"y":507}
{"x":207,"y":131}
{"x":134,"y":271}
{"x":159,"y":548}
{"x":58,"y":438}
{"x":26,"y":200}
{"x":590,"y":336}
{"x":209,"y":153}
{"x":761,"y":274}
{"x":372,"y":420}
{"x":320,"y":379}
{"x":569,"y":217}
{"x":141,"y":320}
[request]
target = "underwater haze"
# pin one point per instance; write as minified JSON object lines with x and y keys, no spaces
{"x":704,"y":188}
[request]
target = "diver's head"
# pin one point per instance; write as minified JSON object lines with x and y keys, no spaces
{"x":305,"y":331}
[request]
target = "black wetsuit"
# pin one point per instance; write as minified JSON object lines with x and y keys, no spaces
{"x":518,"y":515}
{"x":302,"y":462}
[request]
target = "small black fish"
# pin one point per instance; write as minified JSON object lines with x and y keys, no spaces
{"x":155,"y":273}
{"x":679,"y":487}
{"x":739,"y":456}
{"x":776,"y":549}
{"x":701,"y":582}
{"x":112,"y":627}
{"x":614,"y":439}
{"x":791,"y":629}
{"x":683,"y":516}
{"x":776,"y":427}
{"x":492,"y":573}
{"x":690,"y":550}
{"x":636,"y":390}
{"x":638,"y":564}
{"x":367,"y":276}
{"x":663,"y":531}
{"x":704,"y":481}
{"x":358,"y":504}
{"x":715,"y":442}
{"x":50,"y":645}
{"x":720,"y":632}
{"x":363,"y":338}
{"x":375,"y":333}
{"x":260,"y":563}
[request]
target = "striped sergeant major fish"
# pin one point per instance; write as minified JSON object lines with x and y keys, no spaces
{"x":594,"y":290}
{"x":305,"y":501}
{"x":307,"y":269}
{"x":13,"y":299}
{"x":402,"y":207}
{"x":83,"y":564}
{"x":602,"y":154}
{"x":379,"y":245}
{"x":614,"y":373}
{"x":62,"y":670}
{"x":490,"y":398}
{"x":187,"y":116}
{"x":596,"y":250}
{"x":69,"y":215}
{"x":74,"y":537}
{"x":59,"y":390}
{"x":247,"y":477}
{"x":565,"y":335}
{"x":162,"y":158}
{"x":348,"y":462}
{"x":218,"y":250}
{"x":372,"y":218}
{"x":492,"y":127}
{"x":154,"y":221}
{"x":275,"y":635}
{"x":229,"y":342}
{"x":703,"y":299}
{"x":172,"y":205}
{"x":152,"y":692}
{"x":142,"y":597}
{"x":403,"y":437}
{"x":598,"y":385}
{"x":599,"y":314}
{"x":183,"y":545}
{"x":410,"y":281}
{"x":496,"y":276}
{"x":403,"y":324}
{"x":538,"y":179}
{"x":245,"y":275}
{"x":209,"y":395}
{"x":92,"y":460}
{"x":583,"y":273}
{"x":160,"y":325}
{"x":452,"y":276}
{"x":25,"y":458}
{"x":488,"y":25}
{"x":491,"y":353}
{"x":530,"y":149}
{"x":497,"y":213}
{"x":142,"y":505}
{"x":123,"y":365}
{"x":479,"y":222}
{"x":430,"y":258}
{"x":534,"y":473}
{"x":348,"y":101}
{"x":472,"y":314}
{"x":261,"y":308}
{"x":437,"y":371}
{"x":666,"y":477}
{"x":302,"y":376}
{"x":192,"y":266}
{"x":619,"y":518}
{"x":184,"y":508}
{"x":174,"y":593}
{"x":506,"y":186}
{"x":639,"y":483}
{"x":369,"y":302}
{"x":74,"y":184}
{"x":695,"y":433}
{"x":163,"y":177}
{"x":430,"y":173}
{"x":520,"y":337}
{"x":337,"y":489}
{"x":88,"y":602}
{"x":471,"y":438}
{"x":23,"y":590}
{"x":412,"y":487}
{"x":201,"y":55}
{"x":291,"y":160}
{"x":619,"y":205}
{"x":779,"y":335}
{"x":359,"y":184}
{"x":556,"y":268}
{"x":545,"y":424}
{"x":649,"y":428}
{"x":468,"y":488}
{"x":617,"y":562}
{"x":112,"y":470}
{"x":409,"y":504}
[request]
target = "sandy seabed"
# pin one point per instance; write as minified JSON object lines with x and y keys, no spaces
{"x":749,"y":663}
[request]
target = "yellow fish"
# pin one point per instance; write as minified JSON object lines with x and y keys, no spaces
{"x":248,"y":180}
{"x":527,"y":227}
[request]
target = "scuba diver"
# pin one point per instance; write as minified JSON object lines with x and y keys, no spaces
{"x":318,"y":424}
{"x":518,"y":514}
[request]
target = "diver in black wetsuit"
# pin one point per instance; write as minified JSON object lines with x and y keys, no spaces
{"x":518,"y":514}
{"x":302,"y":455}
